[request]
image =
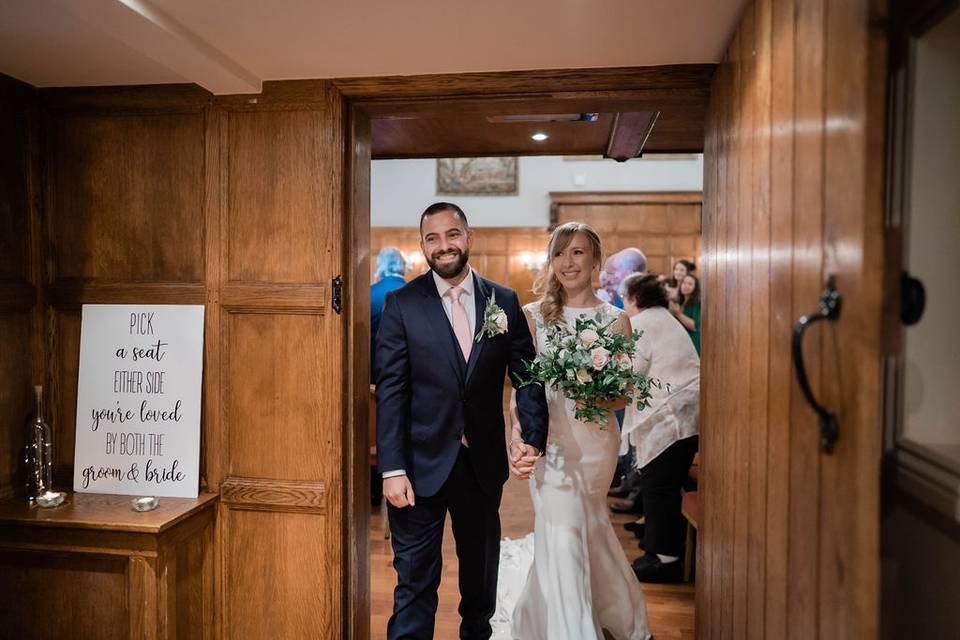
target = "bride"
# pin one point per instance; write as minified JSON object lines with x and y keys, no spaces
{"x":579,"y":582}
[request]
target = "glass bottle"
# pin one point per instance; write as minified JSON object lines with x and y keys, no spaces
{"x":38,"y":453}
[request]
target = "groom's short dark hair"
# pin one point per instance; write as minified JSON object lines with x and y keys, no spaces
{"x":438,"y":207}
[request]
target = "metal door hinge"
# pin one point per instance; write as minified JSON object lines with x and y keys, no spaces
{"x":337,"y":301}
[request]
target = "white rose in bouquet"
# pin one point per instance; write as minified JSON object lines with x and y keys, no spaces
{"x":600,"y":357}
{"x":588,"y":337}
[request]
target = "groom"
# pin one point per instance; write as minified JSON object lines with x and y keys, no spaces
{"x":441,"y":358}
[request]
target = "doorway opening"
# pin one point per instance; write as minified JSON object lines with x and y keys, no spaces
{"x":396,"y":144}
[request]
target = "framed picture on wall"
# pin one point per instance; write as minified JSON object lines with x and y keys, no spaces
{"x":477,"y":177}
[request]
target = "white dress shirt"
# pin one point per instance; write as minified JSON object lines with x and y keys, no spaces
{"x":469,"y":301}
{"x":665,"y":352}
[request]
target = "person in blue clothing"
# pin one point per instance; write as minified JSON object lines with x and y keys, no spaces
{"x":389,"y":276}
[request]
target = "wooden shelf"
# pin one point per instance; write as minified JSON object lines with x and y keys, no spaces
{"x":104,"y":512}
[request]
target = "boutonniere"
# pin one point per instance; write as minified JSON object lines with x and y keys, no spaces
{"x":494,"y":320}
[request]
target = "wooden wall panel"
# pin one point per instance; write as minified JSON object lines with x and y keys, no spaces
{"x":282,"y":355}
{"x":282,"y":413}
{"x":165,"y":195}
{"x":64,"y":353}
{"x":788,"y":547}
{"x":665,"y":226}
{"x":20,"y":329}
{"x":89,"y":592}
{"x":496,"y":252}
{"x":288,"y":587}
{"x":15,"y":265}
{"x":280,"y":226}
{"x":665,"y":230}
{"x":124,"y":194}
{"x":15,"y":397}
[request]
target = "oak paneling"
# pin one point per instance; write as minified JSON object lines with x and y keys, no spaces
{"x":282,"y":580}
{"x":282,"y":196}
{"x":124,"y":194}
{"x":283,"y":413}
{"x":89,"y":592}
{"x":64,"y":353}
{"x":14,"y":169}
{"x":15,"y":397}
{"x":496,"y":252}
{"x":665,"y":226}
{"x":167,"y":195}
{"x":19,"y":352}
{"x":257,"y":494}
{"x":666,"y":231}
{"x":792,"y":176}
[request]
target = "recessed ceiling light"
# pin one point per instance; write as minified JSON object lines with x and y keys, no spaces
{"x":539,"y":136}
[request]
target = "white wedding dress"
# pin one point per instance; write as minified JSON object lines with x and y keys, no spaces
{"x":570,"y":579}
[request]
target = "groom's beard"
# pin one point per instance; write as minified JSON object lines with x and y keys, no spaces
{"x":454,"y":268}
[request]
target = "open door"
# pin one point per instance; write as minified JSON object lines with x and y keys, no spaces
{"x":793,"y":195}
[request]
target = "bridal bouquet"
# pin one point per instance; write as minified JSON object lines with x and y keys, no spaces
{"x":591,"y":364}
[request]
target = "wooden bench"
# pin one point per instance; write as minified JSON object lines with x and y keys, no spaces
{"x":691,"y":510}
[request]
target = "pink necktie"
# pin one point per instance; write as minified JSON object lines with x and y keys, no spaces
{"x":461,"y":323}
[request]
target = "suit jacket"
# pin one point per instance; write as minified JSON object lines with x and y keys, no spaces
{"x":428,"y":397}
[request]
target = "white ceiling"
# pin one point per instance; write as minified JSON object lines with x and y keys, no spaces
{"x":231,"y":46}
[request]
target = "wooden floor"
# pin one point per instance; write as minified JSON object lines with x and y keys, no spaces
{"x":670,"y":607}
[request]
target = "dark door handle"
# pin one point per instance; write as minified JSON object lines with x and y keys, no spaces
{"x":913,"y":299}
{"x":829,"y":310}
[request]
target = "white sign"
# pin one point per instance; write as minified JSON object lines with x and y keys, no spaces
{"x":138,"y":400}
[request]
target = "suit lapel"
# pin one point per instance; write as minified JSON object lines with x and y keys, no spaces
{"x":440,"y":325}
{"x":481,"y":295}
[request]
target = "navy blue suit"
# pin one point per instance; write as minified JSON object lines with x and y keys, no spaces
{"x":428,"y":398}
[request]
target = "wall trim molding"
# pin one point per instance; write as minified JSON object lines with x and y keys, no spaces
{"x":262,"y":494}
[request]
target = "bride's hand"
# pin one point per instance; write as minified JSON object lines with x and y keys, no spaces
{"x":522,"y":459}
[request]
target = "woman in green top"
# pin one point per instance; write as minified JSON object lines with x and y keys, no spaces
{"x":687,"y":308}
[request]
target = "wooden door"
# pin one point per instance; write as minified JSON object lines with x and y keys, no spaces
{"x":793,"y":193}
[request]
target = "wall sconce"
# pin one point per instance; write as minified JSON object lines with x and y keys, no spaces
{"x":533,"y":261}
{"x":415,"y":261}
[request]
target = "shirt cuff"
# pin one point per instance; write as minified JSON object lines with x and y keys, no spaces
{"x":394,"y":473}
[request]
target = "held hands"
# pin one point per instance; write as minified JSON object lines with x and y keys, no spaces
{"x":398,"y":491}
{"x":522,"y":458}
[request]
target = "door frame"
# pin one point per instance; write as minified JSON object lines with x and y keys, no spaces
{"x":381,"y":96}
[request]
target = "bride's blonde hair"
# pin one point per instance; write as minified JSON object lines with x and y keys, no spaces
{"x":552,"y":294}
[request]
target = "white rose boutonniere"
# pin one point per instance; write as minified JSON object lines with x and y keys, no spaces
{"x":494,"y":320}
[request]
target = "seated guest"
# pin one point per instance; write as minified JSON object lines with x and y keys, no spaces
{"x":617,"y":267}
{"x":686,"y":308}
{"x":665,"y":433}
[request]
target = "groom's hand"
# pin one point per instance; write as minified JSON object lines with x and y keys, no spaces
{"x":399,"y":491}
{"x":523,"y":457}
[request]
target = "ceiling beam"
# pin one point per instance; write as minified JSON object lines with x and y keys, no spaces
{"x":629,"y":133}
{"x":148,"y":30}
